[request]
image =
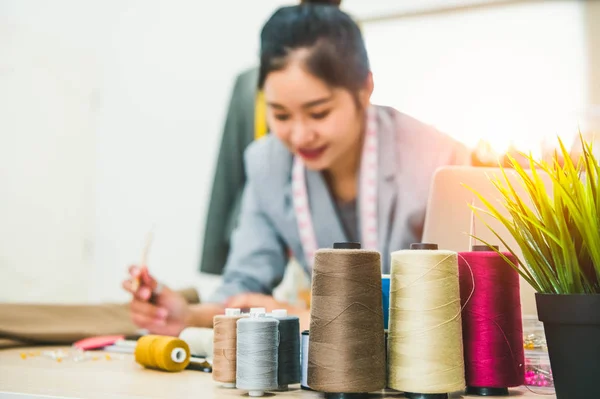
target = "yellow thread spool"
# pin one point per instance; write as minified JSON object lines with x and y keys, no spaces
{"x":162,"y":353}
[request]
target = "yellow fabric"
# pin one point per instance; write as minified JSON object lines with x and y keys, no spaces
{"x":260,"y":116}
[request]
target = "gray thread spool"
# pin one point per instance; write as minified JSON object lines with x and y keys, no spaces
{"x":304,"y":361}
{"x":257,"y":351}
{"x":288,"y":362}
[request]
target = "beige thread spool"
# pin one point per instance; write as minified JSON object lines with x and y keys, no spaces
{"x":224,"y":347}
{"x":425,"y":352}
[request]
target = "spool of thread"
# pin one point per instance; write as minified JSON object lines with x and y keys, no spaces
{"x":492,"y":323}
{"x":304,"y":360}
{"x":425,"y":353}
{"x":288,"y":353}
{"x":225,"y":347}
{"x":385,"y":298}
{"x":257,"y":351}
{"x":162,"y":353}
{"x":346,"y":354}
{"x":200,"y":341}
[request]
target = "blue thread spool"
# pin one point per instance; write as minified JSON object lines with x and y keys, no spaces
{"x":385,"y":296}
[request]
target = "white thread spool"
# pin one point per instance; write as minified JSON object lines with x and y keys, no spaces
{"x":200,"y":341}
{"x":257,"y":351}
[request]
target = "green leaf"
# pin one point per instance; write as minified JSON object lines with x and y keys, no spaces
{"x":557,"y":228}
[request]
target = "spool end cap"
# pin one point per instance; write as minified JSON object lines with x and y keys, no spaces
{"x":411,"y":395}
{"x":229,"y":385}
{"x":483,"y":391}
{"x":256,"y":394}
{"x":484,"y":248}
{"x":279,"y":313}
{"x":424,"y":245}
{"x":257,"y":312}
{"x":179,"y":355}
{"x":346,"y":245}
{"x":233,"y":312}
{"x":342,"y":395}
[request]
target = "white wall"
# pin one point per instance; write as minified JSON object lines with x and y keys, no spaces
{"x":512,"y":74}
{"x":110,"y":116}
{"x":46,"y":166}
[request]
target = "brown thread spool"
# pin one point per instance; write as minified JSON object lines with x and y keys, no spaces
{"x":346,"y":354}
{"x":224,"y":347}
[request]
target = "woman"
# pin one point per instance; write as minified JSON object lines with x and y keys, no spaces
{"x":335,"y":168}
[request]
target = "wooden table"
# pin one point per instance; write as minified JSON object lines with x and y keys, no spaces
{"x":119,"y":377}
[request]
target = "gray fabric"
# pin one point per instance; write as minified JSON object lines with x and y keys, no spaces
{"x":229,"y":178}
{"x":348,"y":214}
{"x":409,"y":154}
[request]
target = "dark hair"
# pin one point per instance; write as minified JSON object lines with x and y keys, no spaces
{"x":337,"y":53}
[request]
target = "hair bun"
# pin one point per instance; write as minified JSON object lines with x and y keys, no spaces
{"x":328,"y":2}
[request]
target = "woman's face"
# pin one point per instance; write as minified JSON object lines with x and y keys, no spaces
{"x":316,"y":122}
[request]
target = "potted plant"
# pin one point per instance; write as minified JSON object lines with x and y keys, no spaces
{"x":558,"y":231}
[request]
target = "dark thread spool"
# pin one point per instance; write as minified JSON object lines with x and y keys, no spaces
{"x":346,"y":355}
{"x":288,"y":360}
{"x":492,"y":325}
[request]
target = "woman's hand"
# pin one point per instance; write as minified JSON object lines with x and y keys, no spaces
{"x":154,"y":306}
{"x":256,"y":300}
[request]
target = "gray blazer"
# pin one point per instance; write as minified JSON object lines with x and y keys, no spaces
{"x":409,"y":154}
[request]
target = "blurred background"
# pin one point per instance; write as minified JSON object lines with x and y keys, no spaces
{"x":111,"y":115}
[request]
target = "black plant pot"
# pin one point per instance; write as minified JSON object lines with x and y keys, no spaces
{"x":572,"y":327}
